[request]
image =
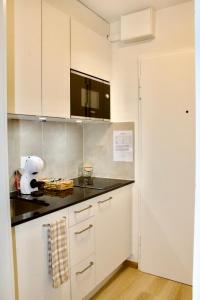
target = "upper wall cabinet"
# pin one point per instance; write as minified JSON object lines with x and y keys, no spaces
{"x":24,"y":57}
{"x":38,"y":59}
{"x":90,"y":52}
{"x":55,"y":61}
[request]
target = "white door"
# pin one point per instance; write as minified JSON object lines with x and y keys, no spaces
{"x":167,"y":191}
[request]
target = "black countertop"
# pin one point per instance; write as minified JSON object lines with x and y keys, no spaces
{"x":28,"y":208}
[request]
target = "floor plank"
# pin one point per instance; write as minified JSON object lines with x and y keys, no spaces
{"x":132,"y":284}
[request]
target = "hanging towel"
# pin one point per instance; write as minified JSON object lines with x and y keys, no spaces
{"x":57,"y":252}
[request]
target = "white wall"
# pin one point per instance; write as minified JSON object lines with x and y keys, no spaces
{"x":6,"y":271}
{"x":196,"y":266}
{"x":174,"y":30}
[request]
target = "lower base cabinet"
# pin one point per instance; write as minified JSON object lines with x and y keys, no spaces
{"x":31,"y":261}
{"x":83,"y":278}
{"x":99,"y":240}
{"x":113,"y":231}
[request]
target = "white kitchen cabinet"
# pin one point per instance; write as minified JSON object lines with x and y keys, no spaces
{"x":90,"y":52}
{"x":83,"y":278}
{"x":80,"y":212}
{"x":82,"y":241}
{"x":24,"y":57}
{"x":55,"y":61}
{"x":30,"y":243}
{"x":38,"y":59}
{"x":113,"y":231}
{"x":99,"y":240}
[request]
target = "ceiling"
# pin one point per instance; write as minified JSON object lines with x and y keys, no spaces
{"x":111,"y":10}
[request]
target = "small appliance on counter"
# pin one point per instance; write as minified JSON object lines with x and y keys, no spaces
{"x":28,"y":183}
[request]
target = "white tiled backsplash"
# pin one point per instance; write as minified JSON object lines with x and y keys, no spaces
{"x":64,"y":146}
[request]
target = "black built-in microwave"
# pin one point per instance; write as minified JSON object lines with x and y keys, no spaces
{"x":89,"y":96}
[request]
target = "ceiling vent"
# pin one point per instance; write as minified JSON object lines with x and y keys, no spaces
{"x":138,"y":26}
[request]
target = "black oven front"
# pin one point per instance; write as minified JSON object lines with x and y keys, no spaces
{"x":90,"y":96}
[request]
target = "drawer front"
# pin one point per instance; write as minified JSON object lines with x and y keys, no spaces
{"x":83,"y":278}
{"x":82,"y":241}
{"x":81,"y":212}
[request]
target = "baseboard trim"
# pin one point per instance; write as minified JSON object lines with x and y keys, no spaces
{"x":130,"y":264}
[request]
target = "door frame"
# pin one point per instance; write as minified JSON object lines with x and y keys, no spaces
{"x":196,"y":260}
{"x":6,"y":257}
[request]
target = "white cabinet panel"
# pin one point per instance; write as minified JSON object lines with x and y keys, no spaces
{"x":24,"y":57}
{"x":81,"y":212}
{"x":90,"y":52}
{"x":113,"y":231}
{"x":167,"y":204}
{"x":82,"y":241}
{"x":55,"y":61}
{"x":34,"y":282}
{"x":83,"y":278}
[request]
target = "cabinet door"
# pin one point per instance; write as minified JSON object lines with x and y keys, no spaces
{"x":83,"y":278}
{"x":82,"y":241}
{"x":31,"y":255}
{"x":55,"y":61}
{"x":113,"y":231}
{"x":24,"y":57}
{"x":90,"y":52}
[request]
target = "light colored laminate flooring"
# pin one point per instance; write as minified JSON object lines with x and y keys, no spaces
{"x":131,"y":284}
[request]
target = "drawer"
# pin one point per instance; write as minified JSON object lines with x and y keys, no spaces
{"x":83,"y":278}
{"x":82,"y":241}
{"x":81,"y":212}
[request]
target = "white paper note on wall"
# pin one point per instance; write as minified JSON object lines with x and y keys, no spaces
{"x":123,"y":145}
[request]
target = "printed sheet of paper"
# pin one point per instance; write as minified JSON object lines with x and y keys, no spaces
{"x":123,"y":145}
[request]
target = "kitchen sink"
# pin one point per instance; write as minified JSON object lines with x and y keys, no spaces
{"x":20,"y":206}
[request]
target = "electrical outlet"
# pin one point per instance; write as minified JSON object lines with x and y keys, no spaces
{"x":23,"y":160}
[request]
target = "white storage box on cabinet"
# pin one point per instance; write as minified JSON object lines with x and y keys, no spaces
{"x":82,"y":241}
{"x":30,"y":243}
{"x":90,"y":52}
{"x":81,"y":212}
{"x":83,"y":278}
{"x":113,"y":231}
{"x":138,"y":26}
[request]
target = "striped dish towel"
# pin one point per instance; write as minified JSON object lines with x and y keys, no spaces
{"x":57,"y":252}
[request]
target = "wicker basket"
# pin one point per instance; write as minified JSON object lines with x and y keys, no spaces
{"x":60,"y":185}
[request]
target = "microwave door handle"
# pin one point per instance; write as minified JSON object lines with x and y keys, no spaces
{"x":89,"y":96}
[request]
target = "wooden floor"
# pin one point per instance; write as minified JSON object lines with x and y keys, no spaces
{"x":131,"y":284}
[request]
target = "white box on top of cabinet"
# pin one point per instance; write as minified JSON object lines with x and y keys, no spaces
{"x":99,"y":240}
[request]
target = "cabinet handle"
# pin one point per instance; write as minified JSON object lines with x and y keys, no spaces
{"x":48,"y":225}
{"x":79,"y":211}
{"x":79,"y":232}
{"x":106,"y":200}
{"x":81,"y":272}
